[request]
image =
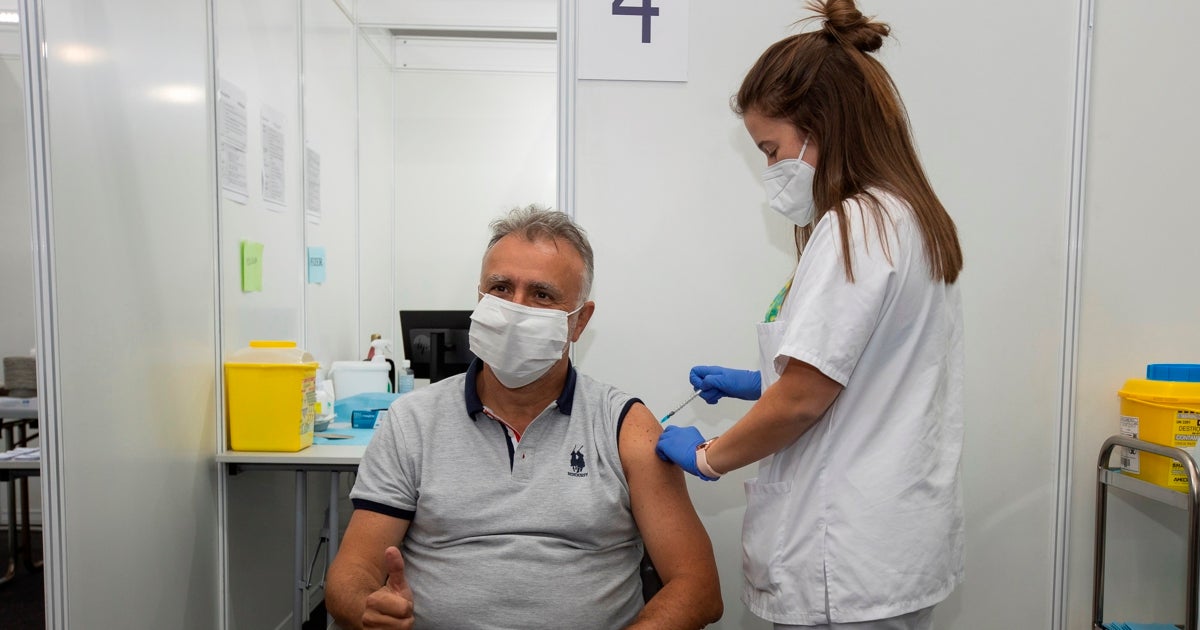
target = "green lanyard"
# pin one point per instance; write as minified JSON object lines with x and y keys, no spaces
{"x":777,"y":303}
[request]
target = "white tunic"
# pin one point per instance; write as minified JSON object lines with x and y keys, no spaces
{"x":861,"y":518}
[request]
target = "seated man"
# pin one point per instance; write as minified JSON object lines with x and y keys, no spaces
{"x":522,"y":492}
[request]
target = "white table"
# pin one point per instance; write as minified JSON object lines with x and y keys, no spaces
{"x":322,"y":458}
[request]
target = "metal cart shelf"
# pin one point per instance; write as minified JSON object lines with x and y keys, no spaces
{"x":1189,"y":501}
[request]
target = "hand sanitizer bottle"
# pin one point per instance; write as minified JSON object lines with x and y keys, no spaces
{"x":406,"y":377}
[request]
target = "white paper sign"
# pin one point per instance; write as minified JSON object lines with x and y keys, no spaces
{"x":273,"y":169}
{"x":231,"y":131}
{"x":633,"y":40}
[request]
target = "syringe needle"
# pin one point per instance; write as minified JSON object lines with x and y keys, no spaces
{"x":681,"y":406}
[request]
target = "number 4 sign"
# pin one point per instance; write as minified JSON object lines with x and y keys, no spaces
{"x":646,"y":11}
{"x":633,"y":40}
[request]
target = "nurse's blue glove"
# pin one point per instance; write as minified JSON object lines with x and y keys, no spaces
{"x":716,"y":382}
{"x":678,"y":445}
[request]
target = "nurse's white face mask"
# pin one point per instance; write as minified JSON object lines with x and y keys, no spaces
{"x":520,"y":343}
{"x":789,"y":188}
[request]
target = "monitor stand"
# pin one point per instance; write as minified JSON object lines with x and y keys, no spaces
{"x":436,"y":356}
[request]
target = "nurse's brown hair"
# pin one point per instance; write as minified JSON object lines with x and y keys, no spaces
{"x":826,"y":83}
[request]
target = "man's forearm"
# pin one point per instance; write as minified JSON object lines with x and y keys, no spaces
{"x":681,"y":604}
{"x":346,"y":597}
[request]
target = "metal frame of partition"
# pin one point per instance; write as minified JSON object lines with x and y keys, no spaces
{"x":46,"y":307}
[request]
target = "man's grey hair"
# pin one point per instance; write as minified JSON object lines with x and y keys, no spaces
{"x":534,"y":221}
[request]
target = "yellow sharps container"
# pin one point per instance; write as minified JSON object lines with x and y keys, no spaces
{"x":1163,"y":408}
{"x":271,"y":395}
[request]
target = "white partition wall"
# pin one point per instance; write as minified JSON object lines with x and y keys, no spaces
{"x":128,"y":260}
{"x":376,"y":203}
{"x":472,"y":141}
{"x":257,"y":52}
{"x":1139,"y":299}
{"x":330,"y":48}
{"x":993,"y":124}
{"x":296,"y":63}
{"x":688,"y":257}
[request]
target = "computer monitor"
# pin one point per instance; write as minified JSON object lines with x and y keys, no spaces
{"x":445,"y":331}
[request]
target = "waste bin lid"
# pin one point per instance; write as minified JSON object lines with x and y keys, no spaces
{"x":1179,"y":372}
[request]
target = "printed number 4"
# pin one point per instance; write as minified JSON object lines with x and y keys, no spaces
{"x":646,"y":11}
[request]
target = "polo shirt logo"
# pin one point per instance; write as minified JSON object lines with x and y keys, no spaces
{"x":577,"y":464}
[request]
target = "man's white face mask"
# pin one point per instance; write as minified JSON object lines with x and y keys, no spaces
{"x":520,"y":343}
{"x":789,"y":188}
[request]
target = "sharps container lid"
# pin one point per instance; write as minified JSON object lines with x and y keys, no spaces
{"x":1178,"y":372}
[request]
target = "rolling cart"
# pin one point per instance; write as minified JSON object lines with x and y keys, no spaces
{"x":1190,"y":501}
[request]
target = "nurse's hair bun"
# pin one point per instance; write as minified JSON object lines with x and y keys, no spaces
{"x":843,"y":22}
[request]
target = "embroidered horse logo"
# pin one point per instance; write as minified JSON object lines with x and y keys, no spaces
{"x":577,"y":463}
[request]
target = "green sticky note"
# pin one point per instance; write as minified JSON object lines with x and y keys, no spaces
{"x":252,"y":254}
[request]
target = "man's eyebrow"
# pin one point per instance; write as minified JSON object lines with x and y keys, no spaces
{"x":536,"y":285}
{"x":545,"y":286}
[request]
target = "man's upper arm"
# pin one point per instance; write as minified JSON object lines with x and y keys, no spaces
{"x":387,"y":476}
{"x":368,"y":534}
{"x":674,"y":536}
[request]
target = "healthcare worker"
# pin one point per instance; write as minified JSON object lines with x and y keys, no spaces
{"x":855,"y":519}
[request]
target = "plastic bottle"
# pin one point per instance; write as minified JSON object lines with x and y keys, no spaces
{"x":324,"y":410}
{"x":371,"y":353}
{"x":378,"y":347}
{"x":407,"y":378}
{"x":325,"y":396}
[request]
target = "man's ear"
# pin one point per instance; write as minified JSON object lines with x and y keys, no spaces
{"x":584,"y":316}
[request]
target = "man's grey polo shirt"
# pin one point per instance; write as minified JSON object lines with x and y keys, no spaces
{"x":533,"y":534}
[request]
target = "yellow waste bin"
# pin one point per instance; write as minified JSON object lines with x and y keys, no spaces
{"x":271,"y":395}
{"x":1163,"y":408}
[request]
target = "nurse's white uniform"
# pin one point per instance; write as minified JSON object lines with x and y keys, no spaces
{"x":861,"y":518}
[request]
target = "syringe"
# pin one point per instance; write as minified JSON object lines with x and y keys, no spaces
{"x":681,"y":406}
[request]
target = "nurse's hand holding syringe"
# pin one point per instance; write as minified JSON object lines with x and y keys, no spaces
{"x":715,"y":382}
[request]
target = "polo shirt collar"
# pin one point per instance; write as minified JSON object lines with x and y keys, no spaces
{"x":475,"y":405}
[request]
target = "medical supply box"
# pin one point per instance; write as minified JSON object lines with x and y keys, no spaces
{"x":1163,"y":408}
{"x":271,"y":395}
{"x":351,"y":378}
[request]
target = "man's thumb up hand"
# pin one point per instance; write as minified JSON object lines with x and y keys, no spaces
{"x":393,"y":562}
{"x":391,"y":606}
